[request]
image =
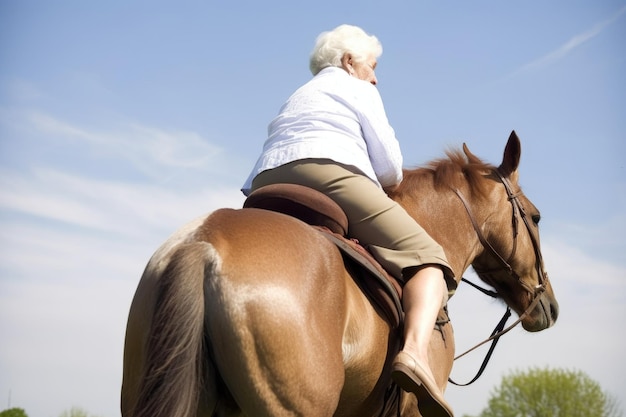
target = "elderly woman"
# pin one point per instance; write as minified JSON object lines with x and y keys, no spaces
{"x":333,"y":135}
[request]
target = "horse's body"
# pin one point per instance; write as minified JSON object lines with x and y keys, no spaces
{"x":253,"y":313}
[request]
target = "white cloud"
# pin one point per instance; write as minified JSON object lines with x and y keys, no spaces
{"x":148,"y":149}
{"x":183,"y":176}
{"x":73,"y":251}
{"x":110,"y":206}
{"x":597,"y":237}
{"x":62,"y":342}
{"x":581,"y":268}
{"x":569,"y":46}
{"x":74,"y":247}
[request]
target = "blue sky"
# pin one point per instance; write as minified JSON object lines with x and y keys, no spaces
{"x":121,"y":121}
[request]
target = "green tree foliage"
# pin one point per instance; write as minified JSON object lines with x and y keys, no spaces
{"x":550,"y":393}
{"x":13,"y":412}
{"x":75,"y":412}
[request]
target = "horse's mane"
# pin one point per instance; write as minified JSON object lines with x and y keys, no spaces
{"x":459,"y":170}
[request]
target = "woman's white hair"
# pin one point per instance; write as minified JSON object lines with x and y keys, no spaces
{"x":331,"y":46}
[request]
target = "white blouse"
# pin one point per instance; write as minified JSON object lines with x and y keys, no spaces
{"x":338,"y":117}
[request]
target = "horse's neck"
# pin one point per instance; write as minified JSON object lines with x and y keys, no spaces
{"x":443,"y":216}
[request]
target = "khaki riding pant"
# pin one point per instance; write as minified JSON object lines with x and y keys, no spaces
{"x":380,"y":224}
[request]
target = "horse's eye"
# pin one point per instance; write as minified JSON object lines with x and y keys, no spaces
{"x":536,"y":218}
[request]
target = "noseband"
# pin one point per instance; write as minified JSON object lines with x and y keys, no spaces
{"x":542,"y":276}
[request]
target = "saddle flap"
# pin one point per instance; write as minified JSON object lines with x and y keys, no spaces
{"x":383,"y":290}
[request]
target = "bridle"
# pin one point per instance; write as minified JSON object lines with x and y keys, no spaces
{"x":505,"y":264}
{"x":518,"y":212}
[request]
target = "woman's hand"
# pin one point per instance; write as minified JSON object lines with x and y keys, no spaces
{"x":390,"y":189}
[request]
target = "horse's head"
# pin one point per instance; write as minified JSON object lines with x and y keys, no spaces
{"x":495,"y":228}
{"x":508,"y":230}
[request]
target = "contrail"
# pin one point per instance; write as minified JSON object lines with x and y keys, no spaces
{"x":570,"y":45}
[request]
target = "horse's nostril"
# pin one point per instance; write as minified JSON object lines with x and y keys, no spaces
{"x":554,"y":312}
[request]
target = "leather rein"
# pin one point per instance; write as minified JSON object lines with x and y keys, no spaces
{"x":536,"y":291}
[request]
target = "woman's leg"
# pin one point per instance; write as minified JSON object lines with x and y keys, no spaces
{"x":423,"y":295}
{"x":422,"y":299}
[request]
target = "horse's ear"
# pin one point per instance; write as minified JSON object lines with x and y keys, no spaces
{"x":470,"y":156}
{"x":512,"y":153}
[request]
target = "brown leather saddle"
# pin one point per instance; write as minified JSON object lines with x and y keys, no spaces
{"x":319,"y":211}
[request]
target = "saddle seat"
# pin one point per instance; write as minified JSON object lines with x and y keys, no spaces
{"x":320,"y":211}
{"x":304,"y":203}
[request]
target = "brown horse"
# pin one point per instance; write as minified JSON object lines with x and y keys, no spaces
{"x":252,"y":313}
